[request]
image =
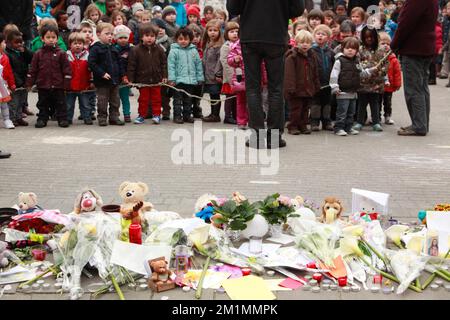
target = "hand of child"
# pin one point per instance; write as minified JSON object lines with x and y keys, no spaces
{"x":107,"y":76}
{"x":171,"y":83}
{"x":91,"y":86}
{"x":125,"y":80}
{"x":387,"y":84}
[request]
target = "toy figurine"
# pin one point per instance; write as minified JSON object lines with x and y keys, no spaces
{"x":160,"y":279}
{"x":331,"y":210}
{"x":87,"y":201}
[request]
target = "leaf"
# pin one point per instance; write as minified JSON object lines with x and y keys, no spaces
{"x":364,"y":249}
{"x":229,"y":206}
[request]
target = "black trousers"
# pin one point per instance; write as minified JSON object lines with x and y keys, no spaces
{"x":49,"y":100}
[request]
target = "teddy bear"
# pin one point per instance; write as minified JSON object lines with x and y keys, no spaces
{"x":160,"y":279}
{"x":331,"y":210}
{"x":28,"y":203}
{"x":87,"y":201}
{"x":3,"y":253}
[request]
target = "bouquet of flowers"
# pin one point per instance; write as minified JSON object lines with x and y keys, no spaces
{"x":276,"y":208}
{"x":234,"y":213}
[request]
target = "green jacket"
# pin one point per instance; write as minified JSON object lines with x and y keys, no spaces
{"x":185,"y":65}
{"x":37,"y":43}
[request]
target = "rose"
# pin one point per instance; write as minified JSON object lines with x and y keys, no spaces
{"x":238,"y":197}
{"x":286,"y":201}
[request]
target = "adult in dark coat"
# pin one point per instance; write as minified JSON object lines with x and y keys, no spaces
{"x":415,"y":41}
{"x":265,"y":42}
{"x":19,"y":12}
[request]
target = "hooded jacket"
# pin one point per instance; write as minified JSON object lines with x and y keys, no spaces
{"x":394,"y":74}
{"x":8,"y":74}
{"x":105,"y":58}
{"x":184,"y":65}
{"x":325,"y":58}
{"x":81,"y":75}
{"x":147,"y":64}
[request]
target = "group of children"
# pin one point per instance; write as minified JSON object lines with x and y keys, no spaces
{"x":336,"y":66}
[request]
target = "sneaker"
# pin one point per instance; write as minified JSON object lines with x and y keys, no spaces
{"x":40,"y":123}
{"x":341,"y":133}
{"x":358,"y":127}
{"x":63,"y":124}
{"x":377,"y":127}
{"x":388,"y":120}
{"x":353,"y":132}
{"x":93,"y":118}
{"x":139,"y":120}
{"x":166,"y":118}
{"x":294,"y":131}
{"x":127,"y":118}
{"x":305,"y":130}
{"x":9,"y":124}
{"x":20,"y":123}
{"x":188,"y":119}
{"x":242,"y":127}
{"x":116,"y":122}
{"x":156,"y":119}
{"x":88,"y":121}
{"x":178,"y":120}
{"x":315,"y":128}
{"x":28,"y":112}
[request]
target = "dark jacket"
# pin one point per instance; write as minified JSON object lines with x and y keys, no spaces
{"x":349,"y":77}
{"x":50,"y":69}
{"x":19,"y":12}
{"x":301,"y":74}
{"x":20,"y":62}
{"x":147,"y":64}
{"x":325,"y":58}
{"x":124,"y":54}
{"x":416,"y":35}
{"x":265,"y":21}
{"x":324,"y":5}
{"x":105,"y":58}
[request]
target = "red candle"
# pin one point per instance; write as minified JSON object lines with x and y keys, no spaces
{"x":342,"y":281}
{"x":377,"y":279}
{"x":135,"y":232}
{"x":311,"y":265}
{"x":318,"y":277}
{"x":246,"y":271}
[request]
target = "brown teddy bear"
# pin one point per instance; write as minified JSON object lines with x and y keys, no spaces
{"x":160,"y":279}
{"x":331,"y":210}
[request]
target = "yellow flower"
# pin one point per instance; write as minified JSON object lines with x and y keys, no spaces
{"x":415,"y":244}
{"x":356,"y":231}
{"x":349,"y":246}
{"x":395,"y":232}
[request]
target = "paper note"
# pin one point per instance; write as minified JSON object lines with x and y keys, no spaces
{"x":16,"y":274}
{"x":283,"y":239}
{"x":235,"y":272}
{"x":212,"y":280}
{"x":133,"y":256}
{"x":267,"y":248}
{"x":186,"y":224}
{"x":248,"y":288}
{"x":291,"y":283}
{"x":274,"y":285}
{"x":339,"y":269}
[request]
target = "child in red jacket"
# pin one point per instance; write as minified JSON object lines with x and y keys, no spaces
{"x":81,"y":78}
{"x":395,"y":78}
{"x":7,"y":84}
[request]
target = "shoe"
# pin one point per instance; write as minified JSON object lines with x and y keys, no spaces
{"x":9,"y":124}
{"x":139,"y":120}
{"x":341,"y":133}
{"x":178,"y":120}
{"x":406,"y":128}
{"x":329,"y":127}
{"x":410,"y":132}
{"x":388,"y":120}
{"x":447,"y":85}
{"x":20,"y":123}
{"x":242,"y":127}
{"x":4,"y":155}
{"x":353,"y":132}
{"x":294,"y":131}
{"x":198,"y":115}
{"x":40,"y":123}
{"x":88,"y":121}
{"x":211,"y":118}
{"x":28,"y":112}
{"x":358,"y":127}
{"x":229,"y":120}
{"x":432,"y":82}
{"x":93,"y":118}
{"x":305,"y":130}
{"x":188,"y":119}
{"x":80,"y":117}
{"x":102,"y":122}
{"x":156,"y":119}
{"x":63,"y":124}
{"x":127,"y":118}
{"x":315,"y":128}
{"x":116,"y":122}
{"x":377,"y":127}
{"x":166,"y":118}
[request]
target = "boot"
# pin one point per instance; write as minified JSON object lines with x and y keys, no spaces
{"x":256,"y":140}
{"x":272,"y":144}
{"x":215,"y":114}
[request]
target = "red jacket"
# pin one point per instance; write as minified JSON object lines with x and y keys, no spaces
{"x":8,"y":74}
{"x":81,"y":75}
{"x":439,"y":41}
{"x":394,"y":74}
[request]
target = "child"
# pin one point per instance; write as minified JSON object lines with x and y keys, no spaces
{"x":7,"y":84}
{"x":315,"y":17}
{"x":345,"y":82}
{"x":148,"y":65}
{"x":193,"y":14}
{"x":330,"y":17}
{"x":183,"y":57}
{"x":301,"y":82}
{"x":157,"y":12}
{"x":81,"y":78}
{"x":181,"y":19}
{"x":146,"y":16}
{"x":118,"y":19}
{"x":61,"y":19}
{"x":133,"y":23}
{"x":121,"y":36}
{"x":104,"y":61}
{"x":347,"y":29}
{"x":341,"y":8}
{"x":394,"y":75}
{"x":358,"y":16}
{"x":37,"y":42}
{"x":208,"y":14}
{"x":169,"y":15}
{"x":43,"y":9}
{"x":50,"y":71}
{"x":372,"y":88}
{"x":221,"y":15}
{"x":298,"y":25}
{"x":20,"y":59}
{"x":197,"y":30}
{"x":321,"y":108}
{"x":110,"y":7}
{"x":231,"y":36}
{"x":212,"y":42}
{"x":92,"y":16}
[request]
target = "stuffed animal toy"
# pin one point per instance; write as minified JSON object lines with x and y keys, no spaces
{"x":331,"y":210}
{"x":87,"y":201}
{"x":28,"y":202}
{"x":160,"y":279}
{"x":203,"y":207}
{"x":3,"y":253}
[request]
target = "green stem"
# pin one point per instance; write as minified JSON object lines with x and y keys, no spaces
{"x":379,"y":255}
{"x":428,"y":281}
{"x":198,"y":293}
{"x":50,"y":269}
{"x":418,"y":285}
{"x":117,"y":287}
{"x":439,"y":273}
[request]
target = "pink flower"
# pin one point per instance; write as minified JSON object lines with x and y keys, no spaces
{"x":286,"y":201}
{"x":221,"y":201}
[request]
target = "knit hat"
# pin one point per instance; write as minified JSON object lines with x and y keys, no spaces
{"x":193,"y":11}
{"x":121,"y":31}
{"x":137,"y":7}
{"x":156,"y":9}
{"x":167,"y":10}
{"x":159,"y":23}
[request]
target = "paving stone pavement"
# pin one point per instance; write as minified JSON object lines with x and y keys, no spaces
{"x":57,"y":163}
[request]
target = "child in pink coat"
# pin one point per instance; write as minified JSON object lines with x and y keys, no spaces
{"x":238,"y":84}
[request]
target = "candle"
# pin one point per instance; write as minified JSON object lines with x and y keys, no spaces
{"x":318,"y":277}
{"x":342,"y":281}
{"x":246,"y":271}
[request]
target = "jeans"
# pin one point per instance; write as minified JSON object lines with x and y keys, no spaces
{"x":124,"y":93}
{"x":182,"y":103}
{"x":19,"y":100}
{"x":83,"y":100}
{"x":417,"y":94}
{"x":92,"y":96}
{"x":373,"y":99}
{"x":273,"y":56}
{"x":345,"y":111}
